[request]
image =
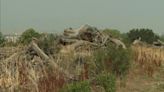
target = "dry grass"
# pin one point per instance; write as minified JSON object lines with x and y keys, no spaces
{"x":19,"y":74}
{"x":148,"y":58}
{"x":147,"y":72}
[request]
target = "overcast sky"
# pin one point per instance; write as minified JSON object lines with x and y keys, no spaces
{"x":56,"y":15}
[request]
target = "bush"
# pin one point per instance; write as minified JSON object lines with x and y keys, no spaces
{"x":162,"y":37}
{"x":108,"y":81}
{"x":27,"y":36}
{"x":48,"y":43}
{"x":112,"y":32}
{"x":126,"y":39}
{"x":118,"y":60}
{"x":112,"y":59}
{"x":82,"y":86}
{"x":1,"y":39}
{"x":99,"y":56}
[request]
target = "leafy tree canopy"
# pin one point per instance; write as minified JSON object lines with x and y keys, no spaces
{"x":27,"y":36}
{"x":147,"y":35}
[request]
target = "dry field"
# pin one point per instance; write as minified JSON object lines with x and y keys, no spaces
{"x":22,"y":72}
{"x":147,"y":71}
{"x":148,"y":58}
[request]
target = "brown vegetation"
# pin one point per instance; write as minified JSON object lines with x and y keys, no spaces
{"x":29,"y":68}
{"x":148,"y":58}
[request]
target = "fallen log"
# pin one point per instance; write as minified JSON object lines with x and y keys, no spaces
{"x":85,"y":32}
{"x":81,"y":43}
{"x":66,"y":41}
{"x":71,"y":33}
{"x":89,"y":34}
{"x":39,"y":51}
{"x":51,"y":61}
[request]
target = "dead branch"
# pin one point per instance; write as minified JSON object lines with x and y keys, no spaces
{"x":45,"y":57}
{"x":68,"y":40}
{"x":85,"y":32}
{"x":39,"y":51}
{"x":88,"y":35}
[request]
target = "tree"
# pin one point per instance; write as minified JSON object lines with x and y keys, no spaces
{"x":147,"y":35}
{"x":1,"y":38}
{"x":27,"y":36}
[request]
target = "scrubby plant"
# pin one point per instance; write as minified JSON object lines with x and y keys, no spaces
{"x":112,"y":32}
{"x":112,"y":59}
{"x":108,"y":81}
{"x":48,"y":43}
{"x":99,"y":56}
{"x":1,"y":39}
{"x":125,"y":39}
{"x":162,"y":37}
{"x":27,"y":36}
{"x":118,"y":59}
{"x":82,"y":86}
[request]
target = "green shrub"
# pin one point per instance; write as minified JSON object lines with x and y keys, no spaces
{"x":48,"y":43}
{"x":118,"y":60}
{"x":112,"y":59}
{"x":108,"y":81}
{"x":1,"y":39}
{"x":82,"y":86}
{"x":126,"y":39}
{"x":162,"y":37}
{"x":27,"y":36}
{"x":99,"y":56}
{"x":112,"y":32}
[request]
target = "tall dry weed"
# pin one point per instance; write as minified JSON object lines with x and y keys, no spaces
{"x":19,"y":74}
{"x":148,"y":58}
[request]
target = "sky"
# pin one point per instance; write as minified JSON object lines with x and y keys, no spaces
{"x":57,"y":15}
